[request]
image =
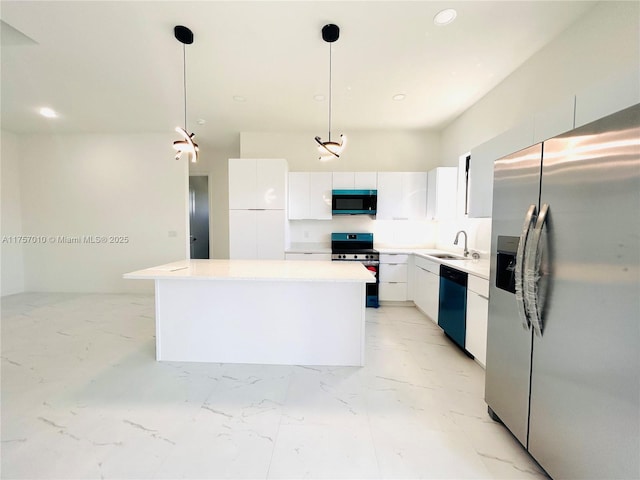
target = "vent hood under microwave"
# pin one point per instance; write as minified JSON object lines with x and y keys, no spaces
{"x":354,"y":202}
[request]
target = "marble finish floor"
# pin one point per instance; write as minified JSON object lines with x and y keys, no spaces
{"x":84,"y":398}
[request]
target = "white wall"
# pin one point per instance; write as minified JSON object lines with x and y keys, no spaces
{"x":604,"y":43}
{"x":100,"y":185}
{"x":214,"y":162}
{"x":12,"y":264}
{"x":366,"y":151}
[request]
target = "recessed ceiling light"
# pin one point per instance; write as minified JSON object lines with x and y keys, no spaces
{"x":445,"y":17}
{"x":239,"y":98}
{"x":398,"y":97}
{"x":318,"y":98}
{"x":201,"y":121}
{"x":48,"y":112}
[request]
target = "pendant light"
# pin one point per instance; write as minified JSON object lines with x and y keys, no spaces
{"x":186,"y":145}
{"x":330,"y":149}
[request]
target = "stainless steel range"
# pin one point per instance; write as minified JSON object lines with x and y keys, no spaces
{"x":358,"y":247}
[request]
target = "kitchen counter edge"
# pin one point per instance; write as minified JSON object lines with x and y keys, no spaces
{"x":478,"y":268}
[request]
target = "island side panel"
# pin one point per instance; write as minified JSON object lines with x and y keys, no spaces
{"x":248,"y":321}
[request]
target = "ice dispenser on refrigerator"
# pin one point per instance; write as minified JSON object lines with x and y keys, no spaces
{"x":506,"y":263}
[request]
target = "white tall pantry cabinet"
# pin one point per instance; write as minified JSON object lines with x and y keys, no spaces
{"x":257,"y":199}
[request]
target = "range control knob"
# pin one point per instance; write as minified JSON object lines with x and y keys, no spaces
{"x":355,"y":256}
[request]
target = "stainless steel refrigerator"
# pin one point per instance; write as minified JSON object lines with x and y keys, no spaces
{"x":563,"y":344}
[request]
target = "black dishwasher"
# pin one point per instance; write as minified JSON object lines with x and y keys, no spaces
{"x":452,"y":305}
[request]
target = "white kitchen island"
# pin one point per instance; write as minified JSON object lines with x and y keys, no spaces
{"x":260,"y":311}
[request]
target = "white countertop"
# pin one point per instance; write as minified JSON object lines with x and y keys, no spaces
{"x":268,"y":270}
{"x":479,"y":268}
{"x":309,"y":248}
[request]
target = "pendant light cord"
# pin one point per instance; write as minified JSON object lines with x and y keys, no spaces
{"x":330,"y":47}
{"x":184,"y":83}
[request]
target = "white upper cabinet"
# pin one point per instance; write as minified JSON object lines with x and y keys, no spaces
{"x":365,"y":180}
{"x":257,"y":184}
{"x":310,"y":195}
{"x":402,"y":195}
{"x":599,"y":100}
{"x":442,"y":189}
{"x":355,"y":180}
{"x":390,"y":196}
{"x":481,"y":165}
{"x":555,"y":120}
{"x":242,"y":184}
{"x":604,"y":98}
{"x":271,"y":181}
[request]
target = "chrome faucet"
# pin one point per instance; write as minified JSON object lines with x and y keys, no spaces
{"x":455,"y":242}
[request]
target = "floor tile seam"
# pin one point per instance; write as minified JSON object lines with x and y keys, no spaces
{"x":388,"y":320}
{"x":283,"y":409}
{"x":373,"y":441}
{"x":409,"y":351}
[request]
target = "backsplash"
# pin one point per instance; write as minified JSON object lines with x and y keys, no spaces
{"x":478,"y":231}
{"x":385,"y":232}
{"x":398,"y":233}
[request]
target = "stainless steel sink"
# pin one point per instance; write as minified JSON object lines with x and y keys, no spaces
{"x":447,"y":256}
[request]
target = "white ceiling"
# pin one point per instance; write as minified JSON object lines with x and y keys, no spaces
{"x":115,"y":66}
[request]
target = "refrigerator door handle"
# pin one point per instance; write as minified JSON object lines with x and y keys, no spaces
{"x":529,"y":220}
{"x":533,"y":258}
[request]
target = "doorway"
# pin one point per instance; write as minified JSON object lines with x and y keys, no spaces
{"x":199,"y":216}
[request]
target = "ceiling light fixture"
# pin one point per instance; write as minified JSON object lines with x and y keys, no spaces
{"x":330,"y":149}
{"x":398,"y":97}
{"x":445,"y":17}
{"x":187,"y":145}
{"x":48,"y":112}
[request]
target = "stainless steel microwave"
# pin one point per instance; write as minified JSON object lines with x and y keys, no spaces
{"x":354,"y":202}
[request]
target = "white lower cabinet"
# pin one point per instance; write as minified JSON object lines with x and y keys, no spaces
{"x":477,"y":316}
{"x":308,"y":256}
{"x":393,"y":277}
{"x":256,"y":234}
{"x":427,"y":287}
